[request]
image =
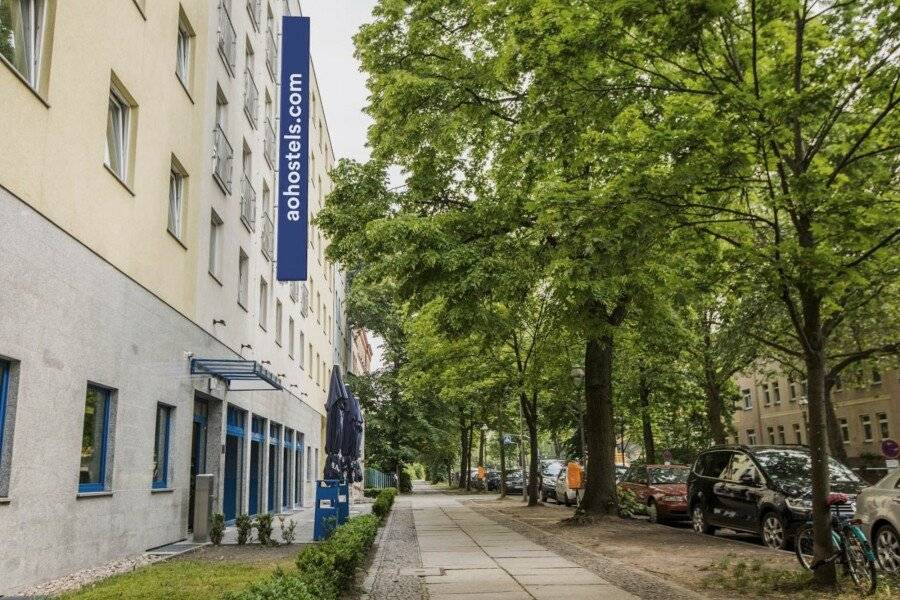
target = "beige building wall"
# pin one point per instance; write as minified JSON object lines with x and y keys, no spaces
{"x":54,"y":135}
{"x":773,"y":410}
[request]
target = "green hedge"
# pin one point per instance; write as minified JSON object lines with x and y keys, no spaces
{"x":323,"y":570}
{"x":384,"y":502}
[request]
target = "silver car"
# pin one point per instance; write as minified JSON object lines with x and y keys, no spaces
{"x":878,"y":507}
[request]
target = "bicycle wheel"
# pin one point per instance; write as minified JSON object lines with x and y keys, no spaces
{"x":859,"y":566}
{"x":803,"y":546}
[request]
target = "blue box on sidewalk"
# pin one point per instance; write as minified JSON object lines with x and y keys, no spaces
{"x":332,"y":507}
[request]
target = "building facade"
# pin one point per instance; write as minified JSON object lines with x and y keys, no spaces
{"x":361,"y":353}
{"x":773,"y":410}
{"x":137,"y":229}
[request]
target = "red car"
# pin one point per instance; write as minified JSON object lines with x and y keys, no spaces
{"x":662,"y":488}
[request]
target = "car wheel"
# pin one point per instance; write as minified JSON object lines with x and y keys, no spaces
{"x":886,"y":544}
{"x":543,"y":496}
{"x":774,"y":532}
{"x":652,"y":511}
{"x":567,"y":501}
{"x":698,"y":520}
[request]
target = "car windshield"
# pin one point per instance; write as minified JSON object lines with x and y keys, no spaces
{"x":788,"y":466}
{"x":553,"y":468}
{"x":668,"y":475}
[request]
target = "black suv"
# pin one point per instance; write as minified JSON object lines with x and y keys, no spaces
{"x":550,"y":469}
{"x":761,"y":489}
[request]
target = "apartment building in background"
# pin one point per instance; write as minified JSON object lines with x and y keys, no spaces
{"x":144,"y":338}
{"x":772,"y":409}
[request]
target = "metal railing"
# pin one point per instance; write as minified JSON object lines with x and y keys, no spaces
{"x":254,"y":7}
{"x":269,"y":144}
{"x":251,"y":97}
{"x":304,"y":301}
{"x":379,"y":480}
{"x":227,"y":35}
{"x":295,"y":290}
{"x":268,"y":236}
{"x":248,"y":204}
{"x":271,"y":53}
{"x":223,"y":156}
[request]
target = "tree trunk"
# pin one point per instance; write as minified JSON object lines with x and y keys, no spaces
{"x":644,"y":394}
{"x":469,"y":459}
{"x":502,"y":465}
{"x":714,"y":409}
{"x":835,"y":438}
{"x":529,"y":410}
{"x":814,"y":357}
{"x":462,"y":453}
{"x":600,"y":496}
{"x":481,"y":448}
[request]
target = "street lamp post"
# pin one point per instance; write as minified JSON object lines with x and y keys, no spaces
{"x":577,"y":375}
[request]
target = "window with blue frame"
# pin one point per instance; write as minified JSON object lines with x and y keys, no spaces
{"x":161,"y":446}
{"x":94,"y":440}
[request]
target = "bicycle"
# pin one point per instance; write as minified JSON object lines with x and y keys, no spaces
{"x":852,"y":549}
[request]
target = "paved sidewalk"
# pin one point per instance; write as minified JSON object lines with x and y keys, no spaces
{"x":466,"y":556}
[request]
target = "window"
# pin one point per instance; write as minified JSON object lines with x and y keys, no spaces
{"x":291,"y":338}
{"x":4,"y":391}
{"x":278,"y":317}
{"x":309,"y":469}
{"x":243,"y":278}
{"x":798,"y":436}
{"x":161,"y":446}
{"x":22,"y":26}
{"x":94,"y":440}
{"x":310,"y":370}
{"x":176,"y":200}
{"x":771,"y":432}
{"x":223,"y":154}
{"x":263,"y":302}
{"x":883,"y":427}
{"x":876,"y":377}
{"x":793,"y":389}
{"x":215,"y":243}
{"x":776,"y":392}
{"x":748,"y":398}
{"x":751,"y":437}
{"x":118,"y":131}
{"x":866,"y":422}
{"x":318,"y":307}
{"x":767,"y":398}
{"x":318,"y":372}
{"x":781,"y":437}
{"x":183,"y":54}
{"x":301,"y":358}
{"x":741,"y":466}
{"x":845,"y":430}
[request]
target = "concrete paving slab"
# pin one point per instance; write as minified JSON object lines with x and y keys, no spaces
{"x":523,"y":595}
{"x":474,"y":586}
{"x":523,"y":566}
{"x":576,"y":576}
{"x":458,"y":575}
{"x":579,"y":592}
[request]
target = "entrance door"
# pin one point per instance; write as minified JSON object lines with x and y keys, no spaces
{"x":234,"y":463}
{"x":286,"y":479}
{"x":198,"y":453}
{"x":298,"y":476}
{"x":255,"y":463}
{"x":273,"y":463}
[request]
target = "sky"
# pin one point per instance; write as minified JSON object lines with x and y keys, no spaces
{"x":341,"y":84}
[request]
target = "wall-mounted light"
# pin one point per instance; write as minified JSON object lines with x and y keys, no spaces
{"x":293,"y":385}
{"x":266,"y":362}
{"x":247,"y":346}
{"x":219,"y":322}
{"x":281,"y":375}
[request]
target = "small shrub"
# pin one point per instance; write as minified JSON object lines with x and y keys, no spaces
{"x":371,"y":492}
{"x":263,"y":525}
{"x":384,"y":502}
{"x":327,"y":568}
{"x":405,"y":482}
{"x":244,"y":525}
{"x":629,"y":505}
{"x":217,"y":528}
{"x":280,"y":586}
{"x":288,"y":530}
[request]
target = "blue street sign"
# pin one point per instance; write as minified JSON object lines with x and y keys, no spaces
{"x":293,"y":150}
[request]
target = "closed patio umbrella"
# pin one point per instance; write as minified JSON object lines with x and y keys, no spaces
{"x":335,"y":408}
{"x":352,"y":437}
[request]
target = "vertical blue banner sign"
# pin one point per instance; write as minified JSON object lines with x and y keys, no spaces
{"x":293,"y":150}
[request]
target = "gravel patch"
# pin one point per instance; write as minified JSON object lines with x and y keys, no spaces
{"x":79,"y":579}
{"x":391,"y":575}
{"x":641,"y":584}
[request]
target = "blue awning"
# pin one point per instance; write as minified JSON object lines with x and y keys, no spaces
{"x":236,"y":369}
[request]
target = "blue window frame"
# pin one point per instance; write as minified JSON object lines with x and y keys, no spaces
{"x":161,"y":446}
{"x":4,"y":389}
{"x":94,"y":440}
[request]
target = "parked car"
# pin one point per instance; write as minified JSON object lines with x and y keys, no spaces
{"x":492,"y":480}
{"x":549,"y":471}
{"x":562,"y":493}
{"x":620,"y":472}
{"x":878,"y":507}
{"x":760,"y":489}
{"x":661,"y":488}
{"x":515,"y":482}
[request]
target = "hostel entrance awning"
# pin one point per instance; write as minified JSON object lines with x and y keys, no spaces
{"x":239,"y":373}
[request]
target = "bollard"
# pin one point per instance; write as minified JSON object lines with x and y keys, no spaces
{"x":203,"y":506}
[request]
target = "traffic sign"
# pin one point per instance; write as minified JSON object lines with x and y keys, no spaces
{"x":890,"y":449}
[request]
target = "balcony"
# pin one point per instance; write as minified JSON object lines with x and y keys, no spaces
{"x":272,"y":54}
{"x":248,"y":204}
{"x":227,"y":36}
{"x":251,"y":97}
{"x":269,"y":144}
{"x":268,"y":236}
{"x":222,"y":157}
{"x":254,"y":7}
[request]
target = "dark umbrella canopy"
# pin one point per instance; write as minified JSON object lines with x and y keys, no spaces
{"x":335,"y":408}
{"x":352,"y":437}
